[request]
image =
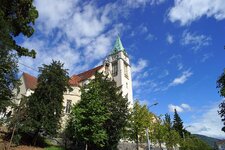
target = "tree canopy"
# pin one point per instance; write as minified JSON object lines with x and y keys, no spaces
{"x":140,"y":120}
{"x":17,"y":17}
{"x":178,"y":124}
{"x":99,"y":118}
{"x":221,"y":86}
{"x":45,"y":105}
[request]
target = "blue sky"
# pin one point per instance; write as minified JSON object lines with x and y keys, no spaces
{"x":175,"y":47}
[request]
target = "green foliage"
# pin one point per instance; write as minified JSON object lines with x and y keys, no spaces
{"x":140,"y":119}
{"x":171,"y":136}
{"x":158,"y":132}
{"x":209,"y":140}
{"x":221,"y":86}
{"x":8,"y":77}
{"x":100,"y":116}
{"x":53,"y":148}
{"x":16,"y":17}
{"x":193,"y":143}
{"x":45,"y":105}
{"x":178,"y":124}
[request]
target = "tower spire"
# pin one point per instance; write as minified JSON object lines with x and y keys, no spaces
{"x":118,"y":46}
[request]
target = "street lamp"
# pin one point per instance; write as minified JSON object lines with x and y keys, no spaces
{"x":148,"y":141}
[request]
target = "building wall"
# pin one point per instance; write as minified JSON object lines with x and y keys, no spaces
{"x":121,"y":80}
{"x":22,"y":91}
{"x":74,"y":96}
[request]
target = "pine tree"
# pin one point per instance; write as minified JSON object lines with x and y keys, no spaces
{"x":177,"y":123}
{"x":99,"y":118}
{"x":171,"y":136}
{"x":45,"y":105}
{"x":221,"y":86}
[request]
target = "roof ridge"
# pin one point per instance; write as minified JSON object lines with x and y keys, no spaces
{"x":98,"y":67}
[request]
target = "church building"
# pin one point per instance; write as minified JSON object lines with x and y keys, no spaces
{"x":116,"y":65}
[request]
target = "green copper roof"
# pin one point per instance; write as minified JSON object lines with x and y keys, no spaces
{"x":118,"y":46}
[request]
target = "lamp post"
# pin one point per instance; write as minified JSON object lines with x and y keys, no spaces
{"x":148,"y":141}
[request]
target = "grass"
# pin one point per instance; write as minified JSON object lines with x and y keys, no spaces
{"x":53,"y":148}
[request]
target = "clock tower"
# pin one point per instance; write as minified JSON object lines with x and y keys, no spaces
{"x":120,"y":69}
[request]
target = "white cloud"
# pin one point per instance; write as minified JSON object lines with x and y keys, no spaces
{"x":187,"y":11}
{"x":196,"y":41}
{"x":76,"y":33}
{"x":170,"y":39}
{"x":208,"y":124}
{"x":180,"y":66}
{"x":150,"y":37}
{"x":173,"y":107}
{"x":141,"y":64}
{"x":142,"y":3}
{"x":163,"y":74}
{"x":63,"y":52}
{"x":206,"y":57}
{"x":179,"y":108}
{"x":185,"y":106}
{"x":181,"y":79}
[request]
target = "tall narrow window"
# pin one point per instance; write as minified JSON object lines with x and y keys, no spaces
{"x":126,"y":70}
{"x":114,"y":68}
{"x":68,"y":106}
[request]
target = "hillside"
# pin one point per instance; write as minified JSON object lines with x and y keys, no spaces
{"x":209,"y":140}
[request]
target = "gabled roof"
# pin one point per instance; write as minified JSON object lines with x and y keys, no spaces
{"x":30,"y":81}
{"x":87,"y":74}
{"x":74,"y":80}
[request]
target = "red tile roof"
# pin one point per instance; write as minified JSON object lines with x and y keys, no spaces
{"x":74,"y":80}
{"x":87,"y":74}
{"x":30,"y":81}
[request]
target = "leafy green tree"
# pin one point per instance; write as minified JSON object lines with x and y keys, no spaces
{"x":193,"y":143}
{"x":16,"y":18}
{"x":45,"y":105}
{"x":178,"y":124}
{"x":99,"y":118}
{"x":158,"y":132}
{"x":139,"y":121}
{"x":8,"y":78}
{"x":171,"y":136}
{"x":221,"y":86}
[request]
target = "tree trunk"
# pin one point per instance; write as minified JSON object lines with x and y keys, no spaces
{"x":35,"y":137}
{"x":137,"y":141}
{"x":14,"y":129}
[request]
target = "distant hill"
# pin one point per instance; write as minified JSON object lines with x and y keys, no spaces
{"x":209,"y":140}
